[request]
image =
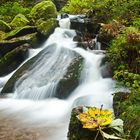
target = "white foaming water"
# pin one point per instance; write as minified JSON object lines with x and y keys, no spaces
{"x":41,"y":81}
{"x":65,"y":23}
{"x":54,"y":113}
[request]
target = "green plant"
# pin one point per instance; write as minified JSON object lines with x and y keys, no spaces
{"x":11,"y":9}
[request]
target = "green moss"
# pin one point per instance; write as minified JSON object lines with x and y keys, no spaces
{"x":20,"y":32}
{"x":46,"y":27}
{"x":19,"y":21}
{"x":43,"y":10}
{"x":4,"y":26}
{"x":12,"y":60}
{"x":2,"y":35}
{"x":9,"y":45}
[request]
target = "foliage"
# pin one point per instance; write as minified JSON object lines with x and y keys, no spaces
{"x":105,"y":10}
{"x":10,"y":9}
{"x":127,"y":107}
{"x":4,"y":26}
{"x":97,"y":119}
{"x":78,"y":6}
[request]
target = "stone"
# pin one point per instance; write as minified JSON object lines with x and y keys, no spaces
{"x":9,"y":86}
{"x":13,"y":59}
{"x":84,"y":25}
{"x":71,"y":79}
{"x":76,"y":132}
{"x":46,"y":27}
{"x":8,"y":45}
{"x":43,"y":10}
{"x":19,"y":21}
{"x":21,"y":31}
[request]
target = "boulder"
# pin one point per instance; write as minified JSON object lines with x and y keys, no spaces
{"x":9,"y":45}
{"x":20,"y":32}
{"x":4,"y":26}
{"x":43,"y":10}
{"x":46,"y":27}
{"x":85,"y":25}
{"x":13,"y":59}
{"x":19,"y":21}
{"x":71,"y":79}
{"x":65,"y":85}
{"x":9,"y":86}
{"x":76,"y":131}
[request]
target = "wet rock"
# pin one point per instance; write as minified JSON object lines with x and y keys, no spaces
{"x":21,"y":31}
{"x":71,"y":79}
{"x":9,"y":87}
{"x":84,"y":25}
{"x":8,"y":45}
{"x":11,"y":60}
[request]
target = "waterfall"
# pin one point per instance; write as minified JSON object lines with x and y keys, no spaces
{"x":36,"y":89}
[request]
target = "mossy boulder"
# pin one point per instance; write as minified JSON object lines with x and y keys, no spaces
{"x":46,"y":27}
{"x":9,"y":86}
{"x":13,"y":59}
{"x":43,"y":10}
{"x":4,"y":26}
{"x":71,"y":79}
{"x":9,"y":45}
{"x":19,"y":21}
{"x":126,"y":106}
{"x":21,"y":31}
{"x":76,"y":130}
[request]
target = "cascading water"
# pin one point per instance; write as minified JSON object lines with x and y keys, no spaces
{"x":41,"y":81}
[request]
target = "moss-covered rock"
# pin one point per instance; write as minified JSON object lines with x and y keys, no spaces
{"x":20,"y":32}
{"x":46,"y":27}
{"x":13,"y":59}
{"x":71,"y":79}
{"x":19,"y":21}
{"x":127,"y":107}
{"x":76,"y":130}
{"x":9,"y":45}
{"x":4,"y":26}
{"x":9,"y":86}
{"x":2,"y":35}
{"x":43,"y":10}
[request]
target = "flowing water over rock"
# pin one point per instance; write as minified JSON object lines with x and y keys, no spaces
{"x":34,"y":103}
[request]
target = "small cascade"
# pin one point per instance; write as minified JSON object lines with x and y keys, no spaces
{"x":36,"y":89}
{"x":65,"y":23}
{"x":41,"y":81}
